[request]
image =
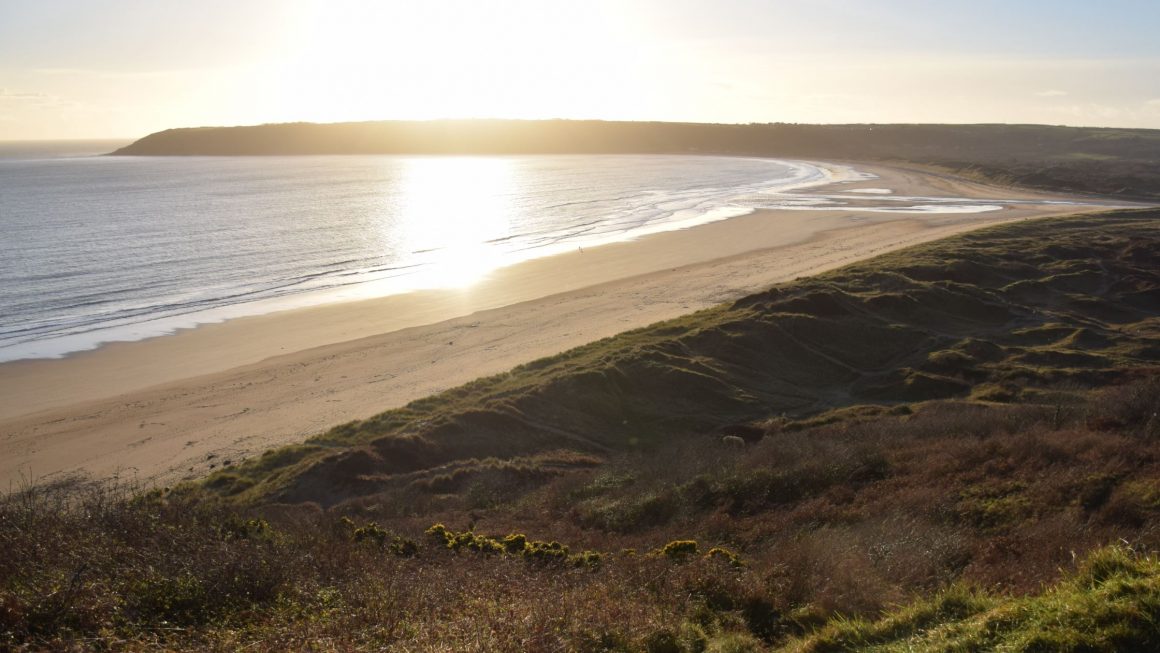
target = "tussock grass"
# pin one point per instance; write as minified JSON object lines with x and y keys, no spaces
{"x":1112,"y":604}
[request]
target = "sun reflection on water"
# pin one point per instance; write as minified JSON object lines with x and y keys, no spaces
{"x":454,"y":209}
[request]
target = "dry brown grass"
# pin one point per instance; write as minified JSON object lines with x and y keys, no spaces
{"x":852,"y":517}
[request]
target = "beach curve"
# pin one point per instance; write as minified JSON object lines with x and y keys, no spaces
{"x":173,"y":407}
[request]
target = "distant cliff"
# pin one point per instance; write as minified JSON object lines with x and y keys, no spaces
{"x":1107,"y":161}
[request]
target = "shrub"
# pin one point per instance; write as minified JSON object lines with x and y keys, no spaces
{"x":469,"y":541}
{"x":1135,"y":407}
{"x":590,"y":559}
{"x":236,"y":528}
{"x":515,"y":543}
{"x":694,"y":638}
{"x":663,"y":641}
{"x":679,"y":549}
{"x":761,"y":618}
{"x":1094,"y":490}
{"x":440,"y":535}
{"x":721,"y":553}
{"x":182,"y":599}
{"x":394,"y":544}
{"x":546,"y":552}
{"x":370,"y":533}
{"x":403,"y":547}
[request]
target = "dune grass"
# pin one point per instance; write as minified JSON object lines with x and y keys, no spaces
{"x":1018,"y":313}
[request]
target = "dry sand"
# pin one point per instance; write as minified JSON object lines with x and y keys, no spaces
{"x":173,"y":407}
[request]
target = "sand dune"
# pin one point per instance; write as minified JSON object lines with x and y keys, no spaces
{"x":173,"y":407}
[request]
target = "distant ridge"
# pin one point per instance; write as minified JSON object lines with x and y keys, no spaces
{"x":1107,"y":161}
{"x":594,"y":136}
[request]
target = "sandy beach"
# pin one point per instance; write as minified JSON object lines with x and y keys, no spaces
{"x":173,"y":407}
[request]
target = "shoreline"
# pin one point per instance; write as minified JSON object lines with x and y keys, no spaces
{"x":397,"y":276}
{"x":835,"y":175}
{"x":173,"y":407}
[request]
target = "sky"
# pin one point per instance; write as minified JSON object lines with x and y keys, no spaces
{"x":125,"y":68}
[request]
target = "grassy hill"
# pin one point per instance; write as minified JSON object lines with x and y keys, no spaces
{"x":1121,"y":162}
{"x":952,"y":447}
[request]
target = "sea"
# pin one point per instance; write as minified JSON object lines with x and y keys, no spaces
{"x":96,"y":249}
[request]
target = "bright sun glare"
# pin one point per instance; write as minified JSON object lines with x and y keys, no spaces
{"x":424,"y":60}
{"x":455,"y":208}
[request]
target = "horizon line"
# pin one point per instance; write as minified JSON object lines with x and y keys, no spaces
{"x":529,"y":120}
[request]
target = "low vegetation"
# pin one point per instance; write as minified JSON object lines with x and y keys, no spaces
{"x":1030,"y":313}
{"x":1109,"y":604}
{"x":956,"y":447}
{"x":807,"y":540}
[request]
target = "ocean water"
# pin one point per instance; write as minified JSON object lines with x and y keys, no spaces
{"x":96,"y":249}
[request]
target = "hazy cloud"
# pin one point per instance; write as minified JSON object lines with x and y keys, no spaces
{"x":26,"y":102}
{"x":93,"y":73}
{"x":9,"y":95}
{"x":1051,"y":93}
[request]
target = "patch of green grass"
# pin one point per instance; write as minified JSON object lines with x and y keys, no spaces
{"x":994,"y":506}
{"x":257,"y":476}
{"x":1111,"y":604}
